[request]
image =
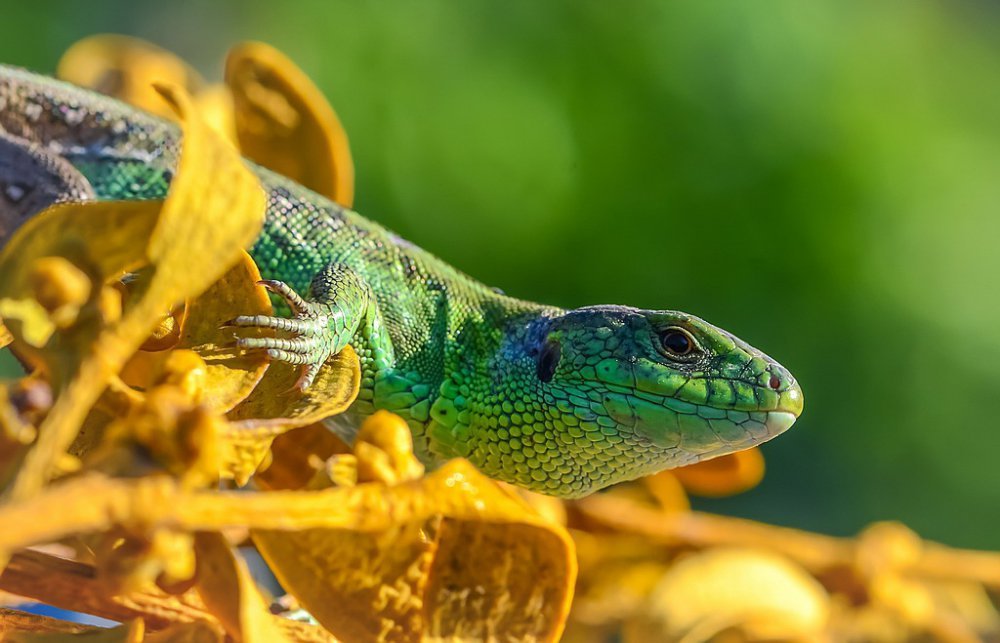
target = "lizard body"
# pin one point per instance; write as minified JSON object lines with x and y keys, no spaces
{"x":559,"y":401}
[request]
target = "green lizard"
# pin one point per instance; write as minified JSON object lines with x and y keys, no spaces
{"x":559,"y":401}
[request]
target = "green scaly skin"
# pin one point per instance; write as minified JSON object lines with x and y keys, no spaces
{"x":559,"y":401}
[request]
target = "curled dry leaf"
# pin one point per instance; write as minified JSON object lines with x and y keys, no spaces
{"x":225,"y":585}
{"x":668,"y":491}
{"x":723,"y":476}
{"x":276,"y":406}
{"x":228,"y":374}
{"x":215,"y":204}
{"x":127,"y":68}
{"x":284,"y":122}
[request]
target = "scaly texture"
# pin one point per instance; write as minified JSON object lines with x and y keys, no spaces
{"x":560,"y":401}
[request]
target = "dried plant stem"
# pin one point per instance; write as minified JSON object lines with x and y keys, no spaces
{"x":815,"y":552}
{"x":94,"y":502}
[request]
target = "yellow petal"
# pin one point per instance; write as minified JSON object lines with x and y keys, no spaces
{"x":127,"y":68}
{"x":723,"y":476}
{"x":284,"y":123}
{"x":215,"y":208}
{"x":231,"y":595}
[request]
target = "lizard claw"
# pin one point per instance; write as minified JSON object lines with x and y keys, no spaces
{"x":310,"y":343}
{"x":283,"y":290}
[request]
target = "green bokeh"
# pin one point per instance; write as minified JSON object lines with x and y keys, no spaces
{"x":818,"y":177}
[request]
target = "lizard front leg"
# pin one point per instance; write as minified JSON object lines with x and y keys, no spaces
{"x":339,"y":307}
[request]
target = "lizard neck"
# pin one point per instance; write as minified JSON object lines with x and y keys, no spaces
{"x":490,"y":373}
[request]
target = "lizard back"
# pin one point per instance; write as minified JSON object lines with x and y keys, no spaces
{"x":125,"y":153}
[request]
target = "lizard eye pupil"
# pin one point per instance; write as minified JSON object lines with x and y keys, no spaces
{"x":677,"y":342}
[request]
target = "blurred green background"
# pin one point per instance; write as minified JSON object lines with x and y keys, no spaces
{"x":821,"y":178}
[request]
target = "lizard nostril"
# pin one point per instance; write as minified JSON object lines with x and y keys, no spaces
{"x":774,"y":382}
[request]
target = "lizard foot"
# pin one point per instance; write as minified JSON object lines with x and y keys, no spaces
{"x":312,"y":326}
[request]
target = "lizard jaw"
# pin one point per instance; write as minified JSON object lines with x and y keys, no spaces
{"x":778,"y":422}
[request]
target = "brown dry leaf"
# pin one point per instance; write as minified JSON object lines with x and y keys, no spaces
{"x":176,"y":618}
{"x":433,"y":568}
{"x":231,"y":595}
{"x":133,"y":632}
{"x":16,"y":621}
{"x":215,"y":205}
{"x":127,"y":68}
{"x":723,"y":476}
{"x":284,"y":122}
{"x":297,"y":457}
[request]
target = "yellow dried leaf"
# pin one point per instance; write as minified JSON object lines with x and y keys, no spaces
{"x":127,"y":68}
{"x":127,"y":564}
{"x":5,"y":337}
{"x":215,"y":208}
{"x":226,"y":375}
{"x":244,"y":450}
{"x":756,"y":591}
{"x":667,"y":490}
{"x":284,"y":123}
{"x":215,"y":104}
{"x":277,"y":404}
{"x":723,"y":476}
{"x":230,"y":374}
{"x":230,"y":594}
{"x":452,"y":560}
{"x":384,"y":450}
{"x":298,"y":456}
{"x":36,"y":323}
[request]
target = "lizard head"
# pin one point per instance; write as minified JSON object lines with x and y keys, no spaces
{"x":617,"y":393}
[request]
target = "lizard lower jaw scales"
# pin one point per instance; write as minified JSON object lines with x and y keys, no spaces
{"x":778,"y":422}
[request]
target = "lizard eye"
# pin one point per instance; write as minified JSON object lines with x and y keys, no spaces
{"x":677,"y":343}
